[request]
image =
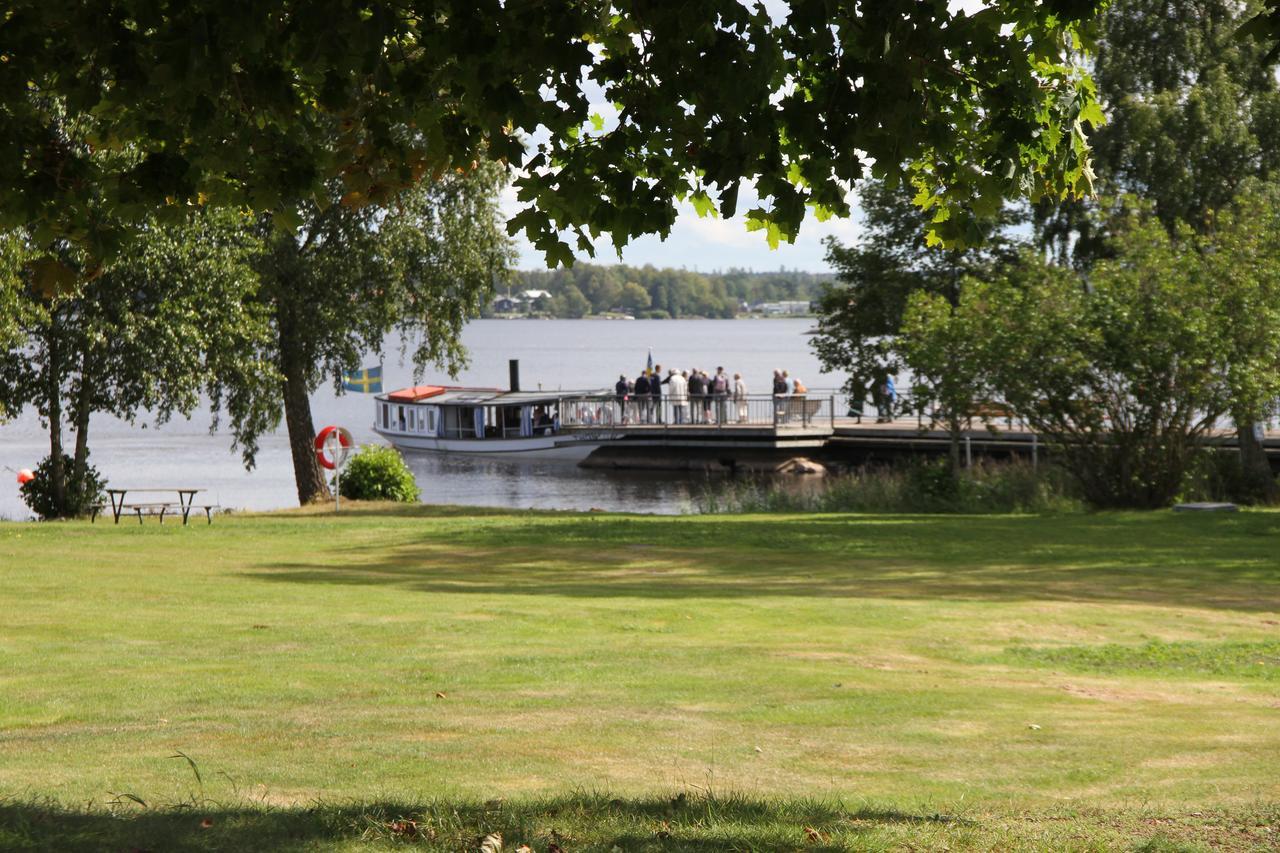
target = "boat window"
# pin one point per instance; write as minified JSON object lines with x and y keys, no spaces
{"x":386,"y":418}
{"x":400,"y":417}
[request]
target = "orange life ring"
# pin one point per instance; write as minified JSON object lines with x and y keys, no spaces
{"x":344,"y":439}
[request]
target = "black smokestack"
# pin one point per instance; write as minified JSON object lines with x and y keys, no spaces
{"x":514,"y":366}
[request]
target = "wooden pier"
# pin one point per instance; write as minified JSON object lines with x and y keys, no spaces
{"x":772,"y":437}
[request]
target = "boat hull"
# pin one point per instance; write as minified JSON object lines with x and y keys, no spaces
{"x":559,"y":448}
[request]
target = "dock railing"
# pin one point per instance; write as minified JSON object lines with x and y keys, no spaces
{"x":608,"y":412}
{"x":990,"y":415}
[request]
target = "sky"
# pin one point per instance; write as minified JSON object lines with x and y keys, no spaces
{"x":709,"y":244}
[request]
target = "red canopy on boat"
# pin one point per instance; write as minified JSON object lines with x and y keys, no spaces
{"x":417,"y":392}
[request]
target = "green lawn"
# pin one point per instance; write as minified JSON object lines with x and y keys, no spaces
{"x":726,"y":682}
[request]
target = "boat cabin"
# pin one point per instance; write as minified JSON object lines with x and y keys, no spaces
{"x":467,"y":413}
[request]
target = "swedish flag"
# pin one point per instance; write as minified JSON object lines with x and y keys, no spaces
{"x":366,"y":381}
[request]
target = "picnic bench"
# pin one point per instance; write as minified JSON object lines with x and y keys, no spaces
{"x":799,"y":408}
{"x":989,"y":410}
{"x":183,"y":506}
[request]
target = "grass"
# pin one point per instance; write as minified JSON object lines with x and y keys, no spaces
{"x":1197,"y":660}
{"x":727,"y":682}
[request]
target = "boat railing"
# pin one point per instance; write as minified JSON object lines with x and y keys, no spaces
{"x":593,"y":413}
{"x":632,"y":413}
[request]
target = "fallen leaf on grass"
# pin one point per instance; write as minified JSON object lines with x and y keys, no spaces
{"x":813,"y":836}
{"x":524,"y":848}
{"x":491,"y":843}
{"x":405,"y":828}
{"x":440,"y":694}
{"x":207,"y":823}
{"x":554,"y":848}
{"x":1033,"y":727}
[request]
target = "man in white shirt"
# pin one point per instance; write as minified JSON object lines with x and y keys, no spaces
{"x":678,"y":396}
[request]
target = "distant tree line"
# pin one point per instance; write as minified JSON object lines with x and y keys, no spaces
{"x":650,"y":292}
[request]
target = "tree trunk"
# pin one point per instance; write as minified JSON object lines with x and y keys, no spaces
{"x":1259,"y":482}
{"x":53,"y":389}
{"x":307,"y":472}
{"x":82,"y":421}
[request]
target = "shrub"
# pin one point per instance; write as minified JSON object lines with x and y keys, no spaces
{"x":1216,"y":475}
{"x":987,"y":487}
{"x":378,"y":473}
{"x":79,"y":495}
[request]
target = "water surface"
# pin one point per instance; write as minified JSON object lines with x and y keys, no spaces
{"x":553,"y":354}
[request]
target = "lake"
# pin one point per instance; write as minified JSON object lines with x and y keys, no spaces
{"x":553,"y":354}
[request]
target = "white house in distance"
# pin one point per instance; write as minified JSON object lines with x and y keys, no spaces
{"x":518,"y":303}
{"x":775,"y":309}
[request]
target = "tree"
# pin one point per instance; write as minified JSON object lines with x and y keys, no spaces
{"x":1242,"y":251}
{"x":168,"y":320}
{"x":263,"y":105}
{"x":634,"y":298}
{"x":944,"y":346}
{"x":15,"y":255}
{"x":862,"y":314}
{"x":1127,"y":376}
{"x":424,"y":264}
{"x":1193,"y":113}
{"x":570,"y":303}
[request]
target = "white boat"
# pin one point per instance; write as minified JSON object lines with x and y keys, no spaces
{"x":491,"y":422}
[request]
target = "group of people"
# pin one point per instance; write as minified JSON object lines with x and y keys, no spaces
{"x":884,"y":395}
{"x":692,"y":396}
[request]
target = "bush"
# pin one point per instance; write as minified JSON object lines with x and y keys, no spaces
{"x":378,"y":473}
{"x":987,"y":487}
{"x":1215,"y":474}
{"x":80,"y":495}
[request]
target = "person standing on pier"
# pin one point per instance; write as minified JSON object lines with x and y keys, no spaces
{"x":720,"y":389}
{"x":697,"y":394}
{"x":655,"y":391}
{"x":706,"y":396}
{"x":740,"y":397}
{"x":884,"y":394}
{"x":622,"y":390}
{"x":779,"y":391}
{"x":678,"y":394}
{"x":642,"y":401}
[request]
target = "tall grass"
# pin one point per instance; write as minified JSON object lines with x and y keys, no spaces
{"x":921,"y":487}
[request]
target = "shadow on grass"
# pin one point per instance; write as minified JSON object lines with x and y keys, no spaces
{"x":1225,"y":562}
{"x":583,"y":822}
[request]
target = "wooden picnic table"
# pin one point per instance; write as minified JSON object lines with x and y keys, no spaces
{"x":185,"y":502}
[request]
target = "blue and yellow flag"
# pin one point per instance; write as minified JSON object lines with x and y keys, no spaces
{"x":367,"y":381}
